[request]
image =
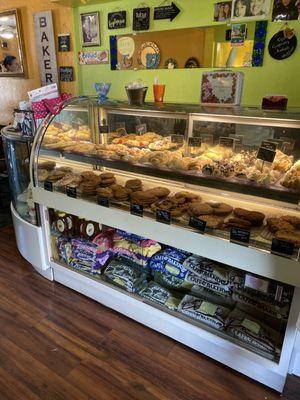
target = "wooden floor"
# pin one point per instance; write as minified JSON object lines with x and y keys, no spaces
{"x":58,"y":345}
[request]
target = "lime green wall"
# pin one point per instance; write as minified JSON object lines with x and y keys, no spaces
{"x":275,"y":77}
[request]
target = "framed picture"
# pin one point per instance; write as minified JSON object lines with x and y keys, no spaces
{"x":222,"y":11}
{"x":90,"y":29}
{"x":250,"y":9}
{"x":286,"y":10}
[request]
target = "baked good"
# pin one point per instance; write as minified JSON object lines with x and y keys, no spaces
{"x":48,"y":165}
{"x":255,"y":217}
{"x":145,"y":198}
{"x":195,"y":209}
{"x":160,"y":192}
{"x":212,"y":221}
{"x":277,"y":224}
{"x":238,"y":223}
{"x":187,"y":196}
{"x":42,"y":174}
{"x":134,"y":184}
{"x":291,"y":219}
{"x":293,"y":237}
{"x":105,"y":192}
{"x":107,"y":175}
{"x":116,"y":186}
{"x":221,"y":209}
{"x":122,"y":194}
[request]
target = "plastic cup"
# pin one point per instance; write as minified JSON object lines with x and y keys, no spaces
{"x":159,"y":92}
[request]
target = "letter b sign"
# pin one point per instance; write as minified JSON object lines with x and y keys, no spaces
{"x":43,"y":22}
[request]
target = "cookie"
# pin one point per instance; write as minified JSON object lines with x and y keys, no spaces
{"x":107,"y":175}
{"x":293,"y":237}
{"x":89,"y":175}
{"x":115,"y":186}
{"x":145,"y":198}
{"x":107,"y":182}
{"x":238,"y":223}
{"x":222,"y":209}
{"x":256,"y":218}
{"x":48,"y":165}
{"x":122,"y":194}
{"x":197,"y":209}
{"x":291,"y":219}
{"x":134,"y":184}
{"x":160,"y":192}
{"x":212,"y":221}
{"x":105,"y":192}
{"x":188,"y":196}
{"x":278,"y":224}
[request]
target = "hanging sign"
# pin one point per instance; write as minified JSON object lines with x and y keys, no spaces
{"x":45,"y":47}
{"x":141,"y":19}
{"x":283,"y":44}
{"x":66,"y":74}
{"x":93,"y":57}
{"x":117,"y":20}
{"x":166,"y":12}
{"x":64,"y":42}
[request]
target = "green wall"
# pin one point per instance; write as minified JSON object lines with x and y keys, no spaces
{"x":275,"y":77}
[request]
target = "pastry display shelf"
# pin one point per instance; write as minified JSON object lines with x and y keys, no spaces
{"x":275,"y":192}
{"x":199,"y":338}
{"x":250,"y":259}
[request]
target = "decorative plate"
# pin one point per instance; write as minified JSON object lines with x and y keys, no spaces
{"x":192,"y":62}
{"x":171,"y":63}
{"x":149,"y":55}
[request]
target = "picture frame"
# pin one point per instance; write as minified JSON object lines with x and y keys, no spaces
{"x":222,"y":11}
{"x":12,"y":64}
{"x":90,"y":29}
{"x":250,"y":10}
{"x":286,"y":11}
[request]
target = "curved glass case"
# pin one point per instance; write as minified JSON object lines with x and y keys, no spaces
{"x":17,"y":150}
{"x":219,"y":168}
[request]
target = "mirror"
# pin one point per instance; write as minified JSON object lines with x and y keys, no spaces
{"x":205,"y":47}
{"x":12,"y":58}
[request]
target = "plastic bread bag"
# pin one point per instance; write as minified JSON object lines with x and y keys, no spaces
{"x":154,"y":292}
{"x":208,"y":270}
{"x":253,"y":332}
{"x":170,"y":261}
{"x":84,"y":251}
{"x":209,"y":313}
{"x":129,"y":277}
{"x":63,"y":248}
{"x":224,"y":299}
{"x":215,"y":286}
{"x":171,"y":282}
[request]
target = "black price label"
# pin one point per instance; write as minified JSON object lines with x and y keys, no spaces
{"x":163,"y":216}
{"x":195,"y":141}
{"x":178,"y":139}
{"x":282,"y":247}
{"x":137,"y":209}
{"x":226,"y":142}
{"x":103,"y":129}
{"x":71,"y":192}
{"x":269,"y":145}
{"x":266,"y":154}
{"x":48,"y":186}
{"x":103,"y":201}
{"x":197,"y":224}
{"x":140,"y":129}
{"x":240,"y":236}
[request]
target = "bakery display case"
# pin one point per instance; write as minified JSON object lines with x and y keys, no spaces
{"x":210,"y":197}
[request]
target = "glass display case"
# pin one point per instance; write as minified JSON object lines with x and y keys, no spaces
{"x":17,"y":150}
{"x":214,"y":169}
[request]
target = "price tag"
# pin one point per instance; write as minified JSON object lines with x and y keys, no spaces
{"x":197,"y":224}
{"x":140,"y":129}
{"x":48,"y":186}
{"x":226,"y":142}
{"x":177,"y":139}
{"x":103,"y":129}
{"x":163,"y":216}
{"x":266,"y":154}
{"x":71,"y":192}
{"x":103,"y":201}
{"x":136,"y":209}
{"x":195,"y":141}
{"x":256,"y":283}
{"x":269,"y":145}
{"x":208,"y":139}
{"x":240,"y":236}
{"x":282,"y":248}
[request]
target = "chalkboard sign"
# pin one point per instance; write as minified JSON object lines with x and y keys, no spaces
{"x":195,"y":141}
{"x":64,"y":42}
{"x":226,"y":142}
{"x":141,"y":19}
{"x":265,"y":154}
{"x":136,"y":209}
{"x":48,"y":186}
{"x":103,"y":129}
{"x":103,"y":201}
{"x":71,"y":192}
{"x":240,"y":236}
{"x":117,"y":20}
{"x":197,"y":224}
{"x":166,"y":12}
{"x":66,"y":74}
{"x":163,"y":216}
{"x":178,"y":139}
{"x":281,"y":247}
{"x":269,"y":145}
{"x":282,"y":47}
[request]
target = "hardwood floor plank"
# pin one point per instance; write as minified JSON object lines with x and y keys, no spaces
{"x":11,"y":389}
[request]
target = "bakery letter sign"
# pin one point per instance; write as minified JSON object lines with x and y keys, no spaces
{"x":45,"y":45}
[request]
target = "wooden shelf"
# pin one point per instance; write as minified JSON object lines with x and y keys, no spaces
{"x":78,"y":3}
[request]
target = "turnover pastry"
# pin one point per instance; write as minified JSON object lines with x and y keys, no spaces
{"x":255,"y":217}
